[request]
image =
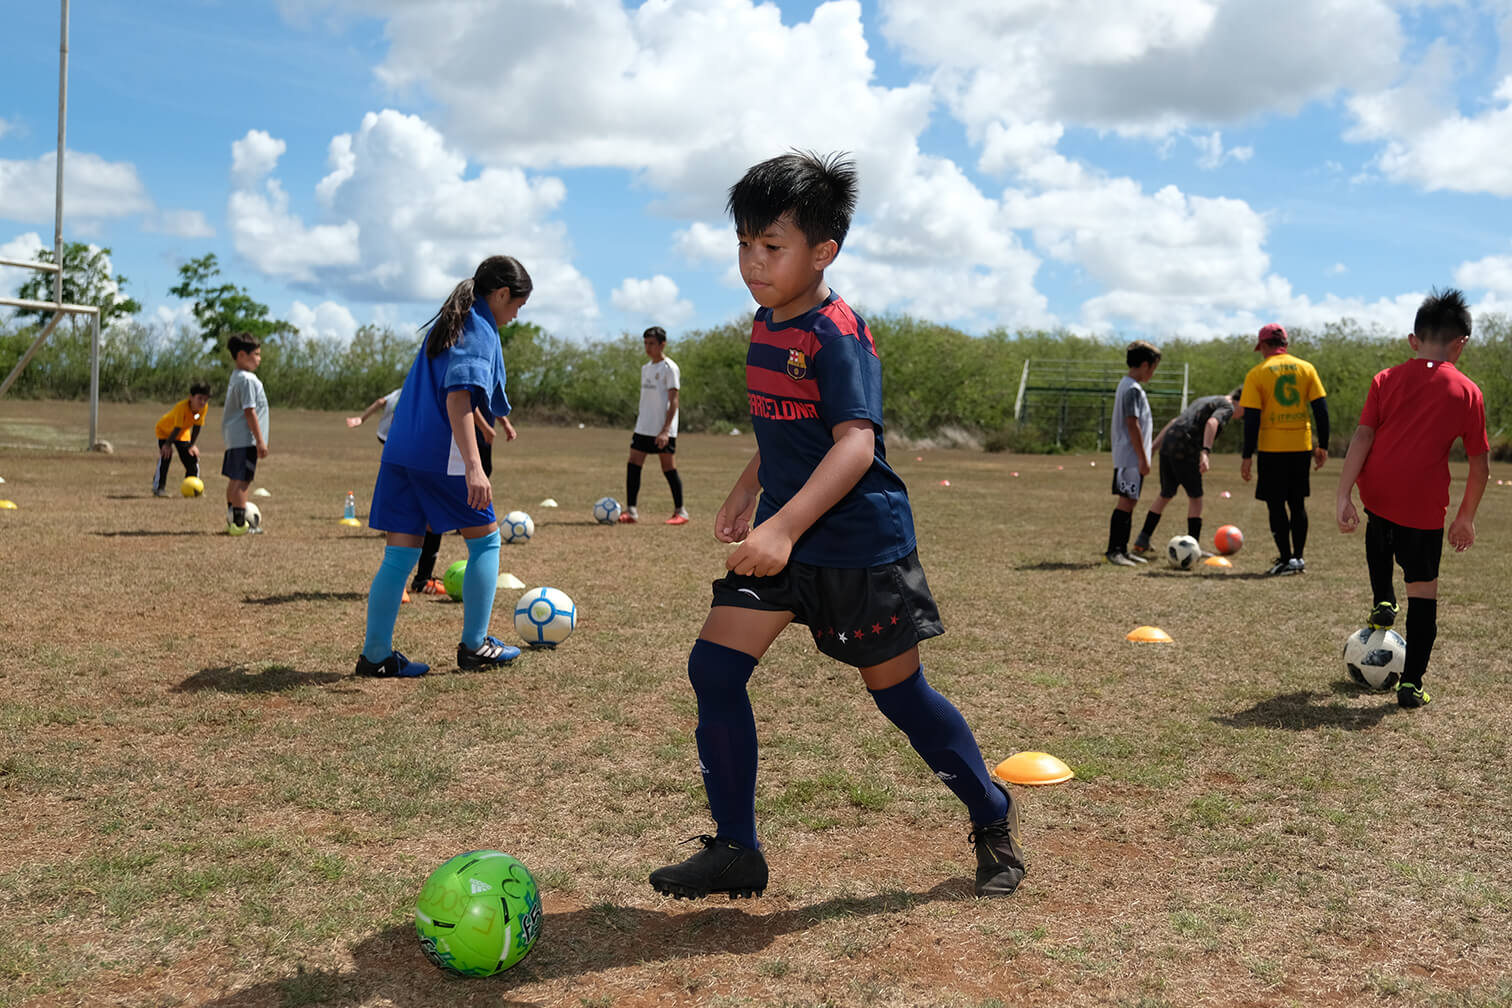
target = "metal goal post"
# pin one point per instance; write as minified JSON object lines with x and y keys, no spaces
{"x":1071,"y":397}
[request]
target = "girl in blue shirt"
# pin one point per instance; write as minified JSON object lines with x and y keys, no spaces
{"x":432,"y":477}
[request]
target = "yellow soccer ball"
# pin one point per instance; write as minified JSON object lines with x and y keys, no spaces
{"x":192,"y":486}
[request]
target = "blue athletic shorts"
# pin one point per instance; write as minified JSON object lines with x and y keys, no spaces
{"x":240,"y":463}
{"x":410,"y":501}
{"x":861,"y":616}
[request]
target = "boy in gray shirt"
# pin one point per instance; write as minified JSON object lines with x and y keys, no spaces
{"x":244,"y":426}
{"x":1131,"y":448}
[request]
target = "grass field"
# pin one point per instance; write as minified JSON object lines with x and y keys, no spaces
{"x":203,"y":807}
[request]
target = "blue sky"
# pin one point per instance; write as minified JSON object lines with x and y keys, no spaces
{"x":1150,"y":168}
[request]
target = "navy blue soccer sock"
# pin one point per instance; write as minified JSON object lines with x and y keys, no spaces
{"x":1422,"y":631}
{"x":384,"y":598}
{"x":1119,"y":527}
{"x":938,"y":732}
{"x":1194,"y":528}
{"x":726,"y":737}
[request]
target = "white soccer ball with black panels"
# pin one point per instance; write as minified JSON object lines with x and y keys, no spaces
{"x":544,"y":617}
{"x":1183,"y":552}
{"x":1375,"y":658}
{"x":254,"y":520}
{"x":516,"y":527}
{"x":606,"y":511}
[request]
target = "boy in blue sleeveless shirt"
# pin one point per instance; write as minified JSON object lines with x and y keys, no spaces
{"x":824,"y":537}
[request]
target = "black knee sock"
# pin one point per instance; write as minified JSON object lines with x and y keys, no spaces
{"x":1118,"y":531}
{"x":1280,"y":528}
{"x":675,"y":482}
{"x":1194,"y":528}
{"x":427,"y":565}
{"x":1298,"y":525}
{"x":1151,"y":520}
{"x":632,"y":483}
{"x":1378,"y":560}
{"x":1422,"y":631}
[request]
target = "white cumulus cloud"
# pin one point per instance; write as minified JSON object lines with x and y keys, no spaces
{"x":654,"y":299}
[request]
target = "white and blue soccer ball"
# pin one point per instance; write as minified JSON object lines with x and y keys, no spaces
{"x":1183,"y":552}
{"x":544,"y":617}
{"x":606,"y":511}
{"x":1375,"y":658}
{"x":516,"y":527}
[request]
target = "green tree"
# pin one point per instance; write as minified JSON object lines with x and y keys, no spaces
{"x":88,"y":279}
{"x":223,"y":308}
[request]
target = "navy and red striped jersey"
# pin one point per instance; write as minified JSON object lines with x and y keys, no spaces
{"x":804,"y":376}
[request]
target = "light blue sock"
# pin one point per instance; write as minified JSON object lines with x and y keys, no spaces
{"x":478,"y":586}
{"x":384,"y":598}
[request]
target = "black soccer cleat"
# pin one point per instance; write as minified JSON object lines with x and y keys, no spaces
{"x":491,"y":653}
{"x":1411,"y":697}
{"x":1000,"y":858}
{"x":395,"y":666}
{"x":1382,"y":616}
{"x":721,"y":867}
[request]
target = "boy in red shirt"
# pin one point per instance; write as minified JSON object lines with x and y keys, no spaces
{"x":1399,"y":456}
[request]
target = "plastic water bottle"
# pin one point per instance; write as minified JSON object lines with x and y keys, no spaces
{"x":350,"y":511}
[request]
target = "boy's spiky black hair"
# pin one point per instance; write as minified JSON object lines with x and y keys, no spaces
{"x":1443,"y":317}
{"x":820,"y":192}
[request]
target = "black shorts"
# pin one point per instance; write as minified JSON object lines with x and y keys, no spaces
{"x":860,"y":616}
{"x":1180,"y":474}
{"x":1282,"y":476}
{"x":240,"y":463}
{"x":1416,"y":551}
{"x":647,"y":443}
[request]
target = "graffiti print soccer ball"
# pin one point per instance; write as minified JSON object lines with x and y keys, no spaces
{"x":516,"y":527}
{"x":544,"y":617}
{"x":606,"y":511}
{"x":478,"y":914}
{"x":1375,"y":658}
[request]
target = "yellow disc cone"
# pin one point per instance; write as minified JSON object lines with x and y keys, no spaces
{"x":1033,"y":768}
{"x":1149,"y":635}
{"x":6,"y":505}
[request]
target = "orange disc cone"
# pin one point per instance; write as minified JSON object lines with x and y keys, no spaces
{"x":1218,"y":561}
{"x":1035,"y":768}
{"x":1149,"y":635}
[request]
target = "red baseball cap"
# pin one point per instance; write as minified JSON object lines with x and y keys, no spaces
{"x":1271,"y":333}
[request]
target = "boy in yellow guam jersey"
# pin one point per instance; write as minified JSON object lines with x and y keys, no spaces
{"x":179,"y":429}
{"x":1279,"y":392}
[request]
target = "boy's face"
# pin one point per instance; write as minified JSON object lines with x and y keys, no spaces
{"x":654,"y":347}
{"x":248,"y":360}
{"x":1145,"y":371}
{"x":782,"y":270}
{"x":198,"y":402}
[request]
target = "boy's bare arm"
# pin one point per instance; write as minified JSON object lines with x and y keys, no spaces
{"x":1136,"y":438}
{"x":256,"y":429}
{"x":1354,"y":463}
{"x":1462,"y":529}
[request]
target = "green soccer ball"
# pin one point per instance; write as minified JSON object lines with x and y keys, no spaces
{"x":452,"y":580}
{"x":478,"y":914}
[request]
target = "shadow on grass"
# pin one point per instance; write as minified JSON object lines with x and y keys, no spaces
{"x":141,"y":533}
{"x":306,"y":597}
{"x":576,"y":944}
{"x":1305,"y":710}
{"x":1052,"y":565}
{"x":240,"y":679}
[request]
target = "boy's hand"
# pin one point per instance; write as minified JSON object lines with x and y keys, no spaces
{"x":1244,"y":469}
{"x":262,"y":449}
{"x":354,"y":421}
{"x":194,"y":451}
{"x":1320,"y":455}
{"x":765,"y":552}
{"x":733,"y":522}
{"x":1348,"y":518}
{"x":1203,"y":464}
{"x":1144,"y":467}
{"x":1461,"y":534}
{"x":166,"y":451}
{"x":509,"y":431}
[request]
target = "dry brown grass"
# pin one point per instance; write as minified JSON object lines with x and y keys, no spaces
{"x":202,"y":807}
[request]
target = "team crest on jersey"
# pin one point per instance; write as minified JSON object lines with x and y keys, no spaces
{"x":797,"y":365}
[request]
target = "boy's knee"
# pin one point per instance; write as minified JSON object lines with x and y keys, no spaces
{"x":714,"y":668}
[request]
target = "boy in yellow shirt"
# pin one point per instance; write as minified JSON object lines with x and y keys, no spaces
{"x":180,"y":428}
